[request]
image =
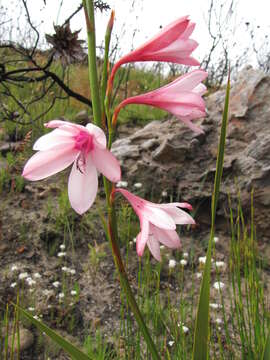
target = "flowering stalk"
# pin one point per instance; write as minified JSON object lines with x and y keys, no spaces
{"x":92,"y":68}
{"x":105,"y":72}
{"x":112,"y":222}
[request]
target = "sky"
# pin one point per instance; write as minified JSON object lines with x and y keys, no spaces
{"x":147,"y":16}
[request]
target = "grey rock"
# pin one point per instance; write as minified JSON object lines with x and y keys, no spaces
{"x":8,"y":146}
{"x":26,"y":340}
{"x":82,"y":117}
{"x":167,"y":155}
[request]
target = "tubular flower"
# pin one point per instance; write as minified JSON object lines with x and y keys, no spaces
{"x":158,"y":223}
{"x":85,"y":147}
{"x":182,"y":98}
{"x":171,"y":44}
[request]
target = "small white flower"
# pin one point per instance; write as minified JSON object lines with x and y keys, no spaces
{"x":61,"y":254}
{"x":73,"y":292}
{"x":56,"y":284}
{"x":37,"y":275}
{"x":137,"y":185}
{"x":61,"y":295}
{"x":65,"y":269}
{"x":72,"y":271}
{"x":47,"y":292}
{"x":164,"y":193}
{"x":216,"y":239}
{"x":185,"y":255}
{"x":36,"y":317}
{"x":170,"y":343}
{"x":184,"y":328}
{"x":30,"y":281}
{"x":215,"y":306}
{"x":220,"y":264}
{"x":13,"y":284}
{"x":122,"y":184}
{"x":172,"y":263}
{"x":31,"y":308}
{"x":71,"y":304}
{"x":23,"y":275}
{"x":198,"y":275}
{"x":134,"y":240}
{"x":218,"y":285}
{"x":162,"y":247}
{"x":219,"y":321}
{"x":183,"y":262}
{"x":14,"y":268}
{"x":62,"y":247}
{"x":202,"y":259}
{"x":49,"y":306}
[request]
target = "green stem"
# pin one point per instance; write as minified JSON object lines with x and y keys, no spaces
{"x":106,"y":70}
{"x":122,"y":272}
{"x":92,"y":65}
{"x":98,"y":109}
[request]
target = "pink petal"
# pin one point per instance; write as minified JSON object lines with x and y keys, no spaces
{"x":150,"y":51}
{"x":179,"y":49}
{"x":158,"y":217}
{"x":47,"y":163}
{"x":82,"y":186}
{"x":59,"y":123}
{"x":98,"y":133}
{"x":177,"y":58}
{"x":106,"y":163}
{"x":166,"y":36}
{"x":191,"y":125}
{"x":179,"y":216}
{"x":55,"y":124}
{"x":184,"y":106}
{"x":154,"y":247}
{"x":200,"y":89}
{"x":184,"y":205}
{"x":56,"y":139}
{"x":186,"y":82}
{"x":168,"y":238}
{"x":135,"y":201}
{"x":142,"y":237}
{"x":149,"y":211}
{"x":189,"y":30}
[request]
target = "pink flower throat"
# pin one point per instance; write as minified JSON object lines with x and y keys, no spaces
{"x":84,"y":142}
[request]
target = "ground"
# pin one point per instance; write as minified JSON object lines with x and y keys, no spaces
{"x":38,"y":226}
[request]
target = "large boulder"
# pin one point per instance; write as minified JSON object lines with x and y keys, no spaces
{"x":166,"y":155}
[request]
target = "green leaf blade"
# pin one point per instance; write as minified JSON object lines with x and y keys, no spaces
{"x":201,"y":334}
{"x":72,"y":350}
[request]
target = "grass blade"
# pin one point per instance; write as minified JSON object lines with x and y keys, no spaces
{"x":72,"y":350}
{"x":266,"y":350}
{"x":201,"y":334}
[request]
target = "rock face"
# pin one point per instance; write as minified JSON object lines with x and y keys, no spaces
{"x":168,"y":156}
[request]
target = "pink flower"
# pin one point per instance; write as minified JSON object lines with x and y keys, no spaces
{"x":85,"y":147}
{"x":171,"y":44}
{"x":182,"y":97}
{"x":158,"y":223}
